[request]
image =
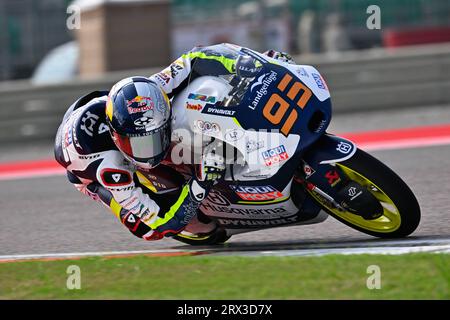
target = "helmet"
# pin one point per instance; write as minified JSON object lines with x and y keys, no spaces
{"x":138,"y":115}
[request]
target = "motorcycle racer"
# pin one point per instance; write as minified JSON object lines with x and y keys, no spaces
{"x":107,"y":136}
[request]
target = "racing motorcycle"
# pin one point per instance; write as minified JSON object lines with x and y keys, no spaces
{"x":283,"y":167}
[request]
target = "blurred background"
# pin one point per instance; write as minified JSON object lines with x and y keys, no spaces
{"x":53,"y":51}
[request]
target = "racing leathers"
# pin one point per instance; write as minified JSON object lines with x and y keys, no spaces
{"x":96,"y":168}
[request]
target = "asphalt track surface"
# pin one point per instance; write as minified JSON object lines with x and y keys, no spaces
{"x":47,"y":215}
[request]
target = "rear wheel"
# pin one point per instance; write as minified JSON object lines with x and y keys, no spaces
{"x":401,"y":211}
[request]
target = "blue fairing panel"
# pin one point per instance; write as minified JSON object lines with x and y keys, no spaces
{"x":330,"y":149}
{"x":268,"y":104}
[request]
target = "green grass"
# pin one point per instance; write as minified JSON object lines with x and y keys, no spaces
{"x":415,"y":276}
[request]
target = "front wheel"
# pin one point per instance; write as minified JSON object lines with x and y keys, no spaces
{"x":401,"y":211}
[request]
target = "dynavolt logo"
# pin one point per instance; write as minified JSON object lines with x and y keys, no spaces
{"x":264,"y":81}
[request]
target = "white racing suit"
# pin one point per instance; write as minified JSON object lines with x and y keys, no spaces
{"x":94,"y":165}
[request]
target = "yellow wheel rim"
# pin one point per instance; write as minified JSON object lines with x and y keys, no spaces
{"x":388,"y":222}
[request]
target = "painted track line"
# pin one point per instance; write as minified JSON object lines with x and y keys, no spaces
{"x":394,"y":247}
{"x":369,"y":140}
{"x":352,"y":251}
{"x":106,"y":254}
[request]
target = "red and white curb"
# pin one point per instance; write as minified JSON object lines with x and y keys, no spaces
{"x":417,"y":137}
{"x":30,"y":169}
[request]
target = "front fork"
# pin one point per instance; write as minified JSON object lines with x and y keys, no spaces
{"x":319,"y":174}
{"x":323,"y":179}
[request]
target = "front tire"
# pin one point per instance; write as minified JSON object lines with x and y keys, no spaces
{"x":401,"y":211}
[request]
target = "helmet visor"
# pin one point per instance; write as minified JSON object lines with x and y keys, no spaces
{"x":146,"y":148}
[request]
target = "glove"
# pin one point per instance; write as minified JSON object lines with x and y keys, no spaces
{"x":279,"y":55}
{"x":211,"y":169}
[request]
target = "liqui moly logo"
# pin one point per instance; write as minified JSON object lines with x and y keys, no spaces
{"x":259,"y":193}
{"x":275,"y":155}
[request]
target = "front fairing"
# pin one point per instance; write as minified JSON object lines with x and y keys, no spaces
{"x":234,"y":110}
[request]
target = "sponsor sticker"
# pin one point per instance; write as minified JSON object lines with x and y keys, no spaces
{"x":275,"y":155}
{"x":88,"y":157}
{"x":202,"y":97}
{"x":143,"y":121}
{"x":308,"y":170}
{"x":196,"y":107}
{"x":263,"y":83}
{"x":253,"y":145}
{"x":163,"y":78}
{"x":319,"y":81}
{"x":141,"y":104}
{"x":302,"y":72}
{"x":234,"y":135}
{"x":257,"y":212}
{"x":68,"y":137}
{"x":246,"y":223}
{"x":207,"y":127}
{"x":257,"y":193}
{"x":344,"y":147}
{"x":176,"y":67}
{"x":220,"y":111}
{"x":332,"y":177}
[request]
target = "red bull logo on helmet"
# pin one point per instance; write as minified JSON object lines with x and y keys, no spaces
{"x":140,"y":104}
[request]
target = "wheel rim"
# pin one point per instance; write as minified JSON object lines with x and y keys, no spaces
{"x":388,"y":222}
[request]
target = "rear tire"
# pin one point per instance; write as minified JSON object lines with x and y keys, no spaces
{"x":391,"y":186}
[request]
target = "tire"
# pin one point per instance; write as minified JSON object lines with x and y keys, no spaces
{"x":388,"y":186}
{"x":216,"y":238}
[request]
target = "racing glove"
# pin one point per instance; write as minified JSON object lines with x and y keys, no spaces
{"x":211,"y":169}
